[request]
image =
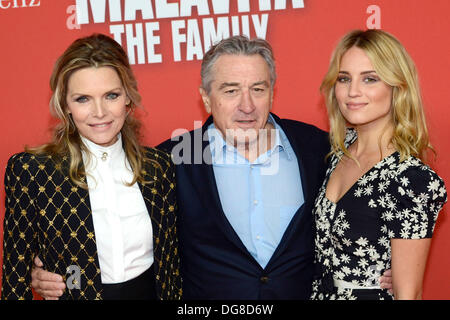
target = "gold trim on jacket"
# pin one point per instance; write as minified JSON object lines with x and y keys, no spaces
{"x":47,"y":214}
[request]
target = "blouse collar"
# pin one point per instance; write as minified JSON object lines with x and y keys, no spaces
{"x":113,"y":151}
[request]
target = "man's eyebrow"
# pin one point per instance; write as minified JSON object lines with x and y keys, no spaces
{"x":263,"y":82}
{"x":236,"y":84}
{"x":228,"y":84}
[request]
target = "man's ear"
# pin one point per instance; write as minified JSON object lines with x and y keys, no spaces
{"x":271,"y":98}
{"x":205,"y":99}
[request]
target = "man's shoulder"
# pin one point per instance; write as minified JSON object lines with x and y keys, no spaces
{"x":305,"y":137}
{"x":302,"y":127}
{"x":304,"y":134}
{"x":168,"y":144}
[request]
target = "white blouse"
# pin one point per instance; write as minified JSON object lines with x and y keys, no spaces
{"x":123,"y":230}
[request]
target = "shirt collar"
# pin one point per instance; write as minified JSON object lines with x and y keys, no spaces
{"x":220,"y":147}
{"x":108,"y":153}
{"x":282,"y":140}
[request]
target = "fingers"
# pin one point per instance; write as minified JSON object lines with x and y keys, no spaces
{"x":48,"y":290}
{"x":38,"y":262}
{"x":47,"y":278}
{"x":387,"y":273}
{"x":47,"y":284}
{"x":50,"y":294}
{"x":386,"y":282}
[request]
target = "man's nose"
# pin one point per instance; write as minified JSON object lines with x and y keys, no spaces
{"x":246,"y":104}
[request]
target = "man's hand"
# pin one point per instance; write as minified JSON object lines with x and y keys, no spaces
{"x":48,"y":285}
{"x":386,"y":281}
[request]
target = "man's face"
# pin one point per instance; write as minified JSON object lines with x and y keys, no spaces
{"x":240,"y":97}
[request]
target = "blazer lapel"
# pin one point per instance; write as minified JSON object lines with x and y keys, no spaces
{"x":88,"y":256}
{"x":305,"y":180}
{"x":206,"y":188}
{"x":93,"y":268}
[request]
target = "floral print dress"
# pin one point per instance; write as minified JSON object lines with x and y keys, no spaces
{"x":392,"y":200}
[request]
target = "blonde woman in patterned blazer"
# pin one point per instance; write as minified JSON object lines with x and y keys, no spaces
{"x":93,"y":204}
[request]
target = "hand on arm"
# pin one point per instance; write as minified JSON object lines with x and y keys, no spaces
{"x":386,"y":281}
{"x":48,"y":285}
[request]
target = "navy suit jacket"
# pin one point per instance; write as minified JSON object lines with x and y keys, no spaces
{"x":215,"y":264}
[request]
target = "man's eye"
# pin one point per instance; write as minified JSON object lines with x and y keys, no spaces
{"x":231,"y":91}
{"x":81,"y":99}
{"x":258,"y":89}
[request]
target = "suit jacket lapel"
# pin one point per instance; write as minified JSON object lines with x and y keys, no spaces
{"x":305,"y":178}
{"x":206,"y":188}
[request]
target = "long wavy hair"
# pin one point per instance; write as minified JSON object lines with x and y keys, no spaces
{"x":395,"y":67}
{"x":94,"y":51}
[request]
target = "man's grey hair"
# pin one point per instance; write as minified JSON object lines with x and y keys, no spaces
{"x":236,"y":45}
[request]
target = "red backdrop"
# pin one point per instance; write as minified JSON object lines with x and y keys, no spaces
{"x":35,"y":32}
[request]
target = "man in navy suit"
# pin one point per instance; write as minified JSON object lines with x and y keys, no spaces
{"x":246,"y":185}
{"x":247,"y":182}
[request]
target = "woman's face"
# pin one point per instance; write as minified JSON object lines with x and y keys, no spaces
{"x":363,"y":98}
{"x":97,"y":102}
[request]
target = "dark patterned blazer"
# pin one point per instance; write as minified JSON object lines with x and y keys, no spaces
{"x":47,"y":214}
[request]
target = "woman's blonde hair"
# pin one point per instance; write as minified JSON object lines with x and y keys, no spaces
{"x":395,"y":67}
{"x":94,"y":51}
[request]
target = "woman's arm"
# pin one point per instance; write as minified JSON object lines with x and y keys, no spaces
{"x":409,"y":258}
{"x":19,"y":240}
{"x":417,"y":195}
{"x":170,"y":252}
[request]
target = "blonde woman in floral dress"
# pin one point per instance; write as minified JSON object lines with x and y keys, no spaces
{"x":378,"y":205}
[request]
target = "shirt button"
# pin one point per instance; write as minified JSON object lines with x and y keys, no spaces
{"x":264,"y":279}
{"x":255,"y":202}
{"x":258,"y":237}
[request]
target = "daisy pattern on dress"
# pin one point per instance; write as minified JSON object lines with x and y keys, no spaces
{"x":393,"y":199}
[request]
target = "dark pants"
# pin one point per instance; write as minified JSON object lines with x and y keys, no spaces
{"x":140,"y":288}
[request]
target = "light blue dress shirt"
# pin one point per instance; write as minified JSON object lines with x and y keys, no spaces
{"x":259,"y":198}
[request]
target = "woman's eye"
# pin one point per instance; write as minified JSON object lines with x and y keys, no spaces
{"x":343,"y":79}
{"x":112,"y":96}
{"x":81,"y":99}
{"x":370,"y":79}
